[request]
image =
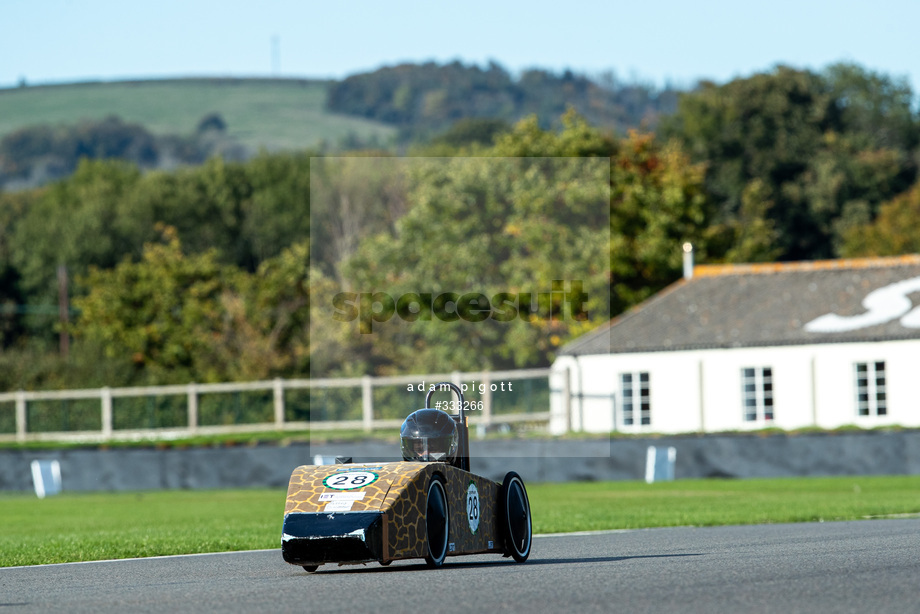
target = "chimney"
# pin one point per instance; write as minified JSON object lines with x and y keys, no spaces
{"x":688,"y":260}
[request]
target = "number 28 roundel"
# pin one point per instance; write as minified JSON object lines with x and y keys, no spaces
{"x":350,"y":480}
{"x":472,"y":507}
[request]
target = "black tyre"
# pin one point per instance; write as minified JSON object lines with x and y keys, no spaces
{"x":514,"y":517}
{"x":311,"y":568}
{"x":437,"y":522}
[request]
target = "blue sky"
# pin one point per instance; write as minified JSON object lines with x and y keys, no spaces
{"x":673,"y":41}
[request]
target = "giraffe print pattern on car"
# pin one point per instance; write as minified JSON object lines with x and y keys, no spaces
{"x":400,"y":493}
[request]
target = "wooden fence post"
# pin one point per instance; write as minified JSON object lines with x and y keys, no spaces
{"x":21,"y":416}
{"x":278,"y":387}
{"x":192,"y":407}
{"x":106,"y":394}
{"x":367,"y":403}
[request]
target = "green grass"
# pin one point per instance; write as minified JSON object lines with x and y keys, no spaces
{"x":86,"y":527}
{"x":628,"y":505}
{"x":270,"y":113}
{"x":83,"y":527}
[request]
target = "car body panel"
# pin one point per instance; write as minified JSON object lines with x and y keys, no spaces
{"x":360,"y":512}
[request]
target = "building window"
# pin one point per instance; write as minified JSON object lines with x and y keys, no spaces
{"x":637,"y":406}
{"x":871,"y":399}
{"x":757,"y":393}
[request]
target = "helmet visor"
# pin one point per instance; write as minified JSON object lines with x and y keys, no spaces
{"x":429,"y":449}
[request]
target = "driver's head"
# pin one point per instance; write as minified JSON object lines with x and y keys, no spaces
{"x":429,"y":435}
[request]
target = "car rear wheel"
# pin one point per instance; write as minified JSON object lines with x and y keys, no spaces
{"x":436,"y":521}
{"x":311,"y":568}
{"x":514,"y":510}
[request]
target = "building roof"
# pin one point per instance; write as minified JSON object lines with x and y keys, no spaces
{"x":750,"y":305}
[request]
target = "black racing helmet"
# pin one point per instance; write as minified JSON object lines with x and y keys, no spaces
{"x":429,"y":435}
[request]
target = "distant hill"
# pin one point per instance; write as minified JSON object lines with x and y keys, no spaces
{"x":426,"y":99}
{"x":162,"y":123}
{"x":269,"y":113}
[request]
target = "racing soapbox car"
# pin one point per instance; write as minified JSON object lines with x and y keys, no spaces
{"x":428,"y":506}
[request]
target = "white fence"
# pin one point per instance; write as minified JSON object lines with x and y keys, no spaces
{"x":486,"y":387}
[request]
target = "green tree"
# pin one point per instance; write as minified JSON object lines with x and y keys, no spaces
{"x":12,"y":300}
{"x":278,"y":211}
{"x":178,"y":317}
{"x":107,"y":210}
{"x":894,"y":232}
{"x":466,"y":132}
{"x":873,"y":107}
{"x":352,"y":198}
{"x":36,"y":155}
{"x":824,"y":150}
{"x":425,"y":99}
{"x":161,"y":313}
{"x":844,"y":185}
{"x":538,"y":206}
{"x":278,"y":308}
{"x":658,"y":202}
{"x":751,"y":235}
{"x":486,"y":226}
{"x":765,"y":127}
{"x":36,"y":365}
{"x":576,"y":139}
{"x":78,"y":222}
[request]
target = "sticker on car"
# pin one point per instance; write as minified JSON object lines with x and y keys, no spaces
{"x":472,"y":507}
{"x":351,"y":480}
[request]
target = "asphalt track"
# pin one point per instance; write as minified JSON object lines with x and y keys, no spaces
{"x":864,"y":566}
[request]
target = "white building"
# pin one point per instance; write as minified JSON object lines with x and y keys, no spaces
{"x":738,"y":347}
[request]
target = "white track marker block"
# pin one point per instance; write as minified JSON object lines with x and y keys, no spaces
{"x":46,"y":477}
{"x":659,"y":464}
